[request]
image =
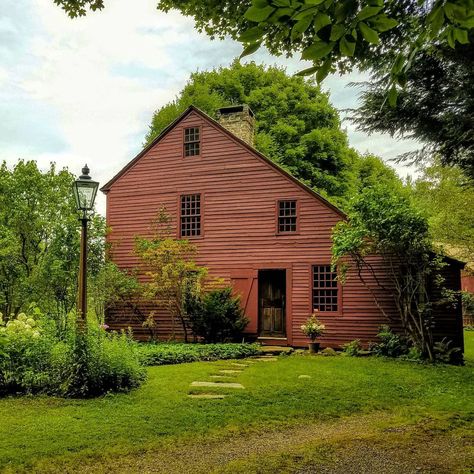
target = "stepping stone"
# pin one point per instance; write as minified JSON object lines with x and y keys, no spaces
{"x":221,"y":377}
{"x":217,"y":384}
{"x":207,"y":395}
{"x":304,"y":376}
{"x":230,"y":371}
{"x":266,"y":359}
{"x":235,"y":364}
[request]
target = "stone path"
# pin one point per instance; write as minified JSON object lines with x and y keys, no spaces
{"x":217,"y":384}
{"x":224,"y":377}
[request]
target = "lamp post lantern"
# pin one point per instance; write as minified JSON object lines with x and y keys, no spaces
{"x":85,"y":191}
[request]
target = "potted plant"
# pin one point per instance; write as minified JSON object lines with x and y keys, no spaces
{"x":313,"y":328}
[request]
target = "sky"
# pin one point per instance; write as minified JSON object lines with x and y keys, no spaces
{"x":84,"y":90}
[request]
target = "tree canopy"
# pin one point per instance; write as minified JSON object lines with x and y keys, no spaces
{"x":446,"y":197}
{"x":296,"y":126}
{"x":333,"y":34}
{"x":39,"y":240}
{"x":436,"y":107}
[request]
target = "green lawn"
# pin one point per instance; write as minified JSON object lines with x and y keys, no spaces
{"x":51,"y":434}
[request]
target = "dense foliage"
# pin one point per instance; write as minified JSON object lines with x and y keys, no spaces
{"x":39,"y":240}
{"x":390,"y":344}
{"x":34,"y":359}
{"x":446,"y":197}
{"x":402,"y":42}
{"x":386,"y":224}
{"x":332,"y":34}
{"x":164,"y":354}
{"x":296,"y":126}
{"x":436,"y":106}
{"x":216,"y":315}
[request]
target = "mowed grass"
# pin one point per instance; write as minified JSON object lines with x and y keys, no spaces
{"x":42,"y":432}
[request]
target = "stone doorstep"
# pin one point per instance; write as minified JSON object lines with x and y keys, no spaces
{"x":217,"y":384}
{"x":209,"y":396}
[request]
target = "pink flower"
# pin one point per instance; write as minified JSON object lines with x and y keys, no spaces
{"x":104,"y":326}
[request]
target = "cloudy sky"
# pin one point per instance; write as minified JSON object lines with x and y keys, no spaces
{"x":84,"y":90}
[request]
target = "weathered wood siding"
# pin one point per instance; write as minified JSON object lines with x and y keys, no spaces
{"x":239,"y":194}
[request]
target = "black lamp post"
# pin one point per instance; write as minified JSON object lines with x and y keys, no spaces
{"x":85,"y":190}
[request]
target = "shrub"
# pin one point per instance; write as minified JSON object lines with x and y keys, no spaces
{"x":391,"y":344}
{"x":104,"y":363}
{"x":33,"y":359}
{"x":162,"y":353}
{"x":467,"y":302}
{"x":352,"y":348}
{"x":216,"y":316}
{"x":313,"y":328}
{"x":329,"y":352}
{"x":446,"y":353}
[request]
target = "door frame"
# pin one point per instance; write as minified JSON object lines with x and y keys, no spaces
{"x":288,"y":267}
{"x":282,"y":280}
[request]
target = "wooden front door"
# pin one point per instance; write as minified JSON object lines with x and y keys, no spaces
{"x":272,"y":295}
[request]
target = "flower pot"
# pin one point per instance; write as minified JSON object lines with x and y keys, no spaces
{"x":313,"y":347}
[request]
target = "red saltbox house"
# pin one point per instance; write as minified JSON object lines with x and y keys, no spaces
{"x":255,"y":225}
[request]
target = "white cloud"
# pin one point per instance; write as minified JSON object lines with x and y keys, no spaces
{"x":84,"y":90}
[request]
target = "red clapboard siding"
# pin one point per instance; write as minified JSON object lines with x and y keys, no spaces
{"x":239,"y":192}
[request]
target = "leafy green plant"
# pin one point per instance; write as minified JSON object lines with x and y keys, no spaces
{"x":384,"y":224}
{"x":446,"y":353}
{"x":172,"y":273}
{"x":178,"y":353}
{"x":216,"y":315}
{"x":352,"y":348}
{"x":391,"y":344}
{"x":467,"y":302}
{"x":33,"y":359}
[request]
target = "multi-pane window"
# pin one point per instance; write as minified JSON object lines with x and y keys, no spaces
{"x":325,"y":289}
{"x":287,"y":216}
{"x":192,"y":144}
{"x":190,"y":215}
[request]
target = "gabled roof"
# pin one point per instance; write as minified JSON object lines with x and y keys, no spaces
{"x":216,"y":124}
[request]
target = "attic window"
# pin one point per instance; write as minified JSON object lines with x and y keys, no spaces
{"x":287,"y":216}
{"x":192,"y":141}
{"x":190,"y":215}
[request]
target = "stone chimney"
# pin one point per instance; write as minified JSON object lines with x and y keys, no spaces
{"x":239,"y":120}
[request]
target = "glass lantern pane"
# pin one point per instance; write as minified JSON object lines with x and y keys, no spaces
{"x":85,"y":194}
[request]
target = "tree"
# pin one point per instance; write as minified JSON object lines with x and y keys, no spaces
{"x":39,"y":240}
{"x":110,"y":287}
{"x":172,"y":274}
{"x":388,"y":37}
{"x":384,"y":223}
{"x":370,"y":170}
{"x":297,"y":127}
{"x":447,"y":196}
{"x":435,"y":107}
{"x":342,"y":35}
